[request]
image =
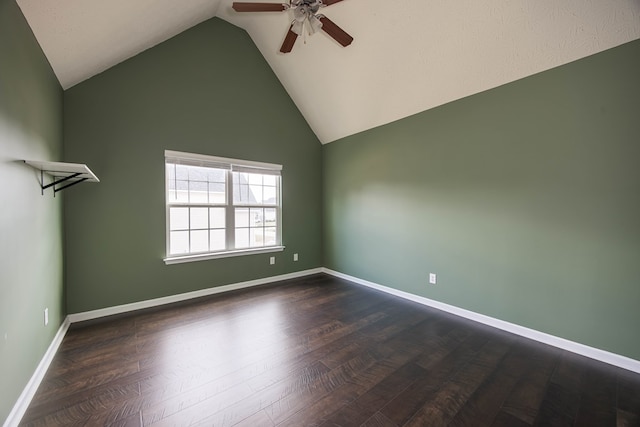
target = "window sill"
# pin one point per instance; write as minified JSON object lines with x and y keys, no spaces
{"x":203,"y":257}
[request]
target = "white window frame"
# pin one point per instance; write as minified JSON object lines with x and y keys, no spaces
{"x":231,"y":165}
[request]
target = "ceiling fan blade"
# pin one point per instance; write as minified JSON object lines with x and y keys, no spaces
{"x":258,"y":7}
{"x":289,"y":41}
{"x":330,"y":2}
{"x":338,"y":34}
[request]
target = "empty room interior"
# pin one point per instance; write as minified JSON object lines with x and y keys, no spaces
{"x":338,"y":213}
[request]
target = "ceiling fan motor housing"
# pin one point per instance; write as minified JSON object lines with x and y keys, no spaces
{"x":304,"y":9}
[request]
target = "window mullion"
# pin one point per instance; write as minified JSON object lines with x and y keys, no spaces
{"x":230,"y":217}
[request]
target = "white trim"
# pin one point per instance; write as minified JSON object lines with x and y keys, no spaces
{"x":205,"y":157}
{"x":227,"y":254}
{"x":30,"y":389}
{"x":103,"y":312}
{"x":574,"y":347}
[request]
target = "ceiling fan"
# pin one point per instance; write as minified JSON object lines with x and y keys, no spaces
{"x":305,"y":12}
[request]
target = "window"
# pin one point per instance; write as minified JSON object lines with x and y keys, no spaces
{"x":219,"y":207}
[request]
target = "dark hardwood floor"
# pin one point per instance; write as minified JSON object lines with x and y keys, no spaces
{"x":319,"y":351}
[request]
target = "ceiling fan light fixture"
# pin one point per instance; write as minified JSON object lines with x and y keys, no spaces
{"x":300,"y":13}
{"x":314,"y":24}
{"x":297,"y":27}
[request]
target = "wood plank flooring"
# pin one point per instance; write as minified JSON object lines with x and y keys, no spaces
{"x":319,"y":351}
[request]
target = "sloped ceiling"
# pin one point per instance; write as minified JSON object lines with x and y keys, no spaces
{"x":408,"y":56}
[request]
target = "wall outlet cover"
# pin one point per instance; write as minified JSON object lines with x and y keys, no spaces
{"x":432,"y":278}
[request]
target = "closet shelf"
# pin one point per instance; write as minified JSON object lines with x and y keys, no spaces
{"x":67,"y":174}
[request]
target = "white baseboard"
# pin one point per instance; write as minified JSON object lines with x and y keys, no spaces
{"x":29,"y":391}
{"x":119,"y":309}
{"x":574,"y":347}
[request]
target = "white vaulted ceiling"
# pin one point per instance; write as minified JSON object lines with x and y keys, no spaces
{"x":408,"y":55}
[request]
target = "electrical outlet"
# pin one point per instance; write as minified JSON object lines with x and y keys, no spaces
{"x":432,"y":278}
{"x":46,"y":316}
{"x":272,"y":260}
{"x":295,"y":257}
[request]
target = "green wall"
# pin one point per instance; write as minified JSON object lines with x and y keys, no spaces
{"x":525,"y":200}
{"x":206,"y":91}
{"x":31,"y":276}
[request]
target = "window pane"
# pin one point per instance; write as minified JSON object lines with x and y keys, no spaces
{"x":256,"y":217}
{"x":199,"y":218}
{"x":242,"y":217}
{"x":200,"y":241}
{"x":217,"y":242}
{"x":269,"y":180}
{"x":182,"y":191}
{"x":245,"y":194}
{"x":241,"y":194}
{"x":178,"y":219}
{"x":182,"y":172}
{"x":242,"y":238}
{"x":257,"y":237}
{"x":217,"y":193}
{"x":254,"y":179}
{"x":255,"y":194}
{"x":270,"y":216}
{"x":270,"y":196}
{"x":216,"y":218}
{"x":240,"y":188}
{"x":178,"y":242}
{"x":216,"y":175}
{"x":198,"y":173}
{"x":198,"y":192}
{"x":241,"y":178}
{"x":270,"y":236}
